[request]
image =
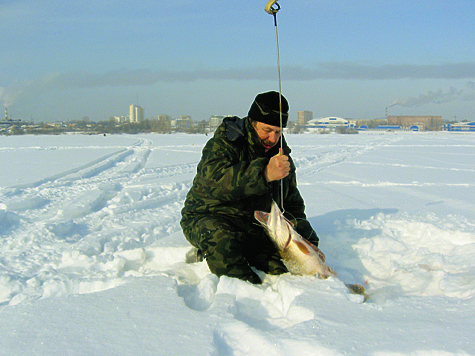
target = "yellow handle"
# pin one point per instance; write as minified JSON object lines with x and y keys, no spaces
{"x":269,"y":9}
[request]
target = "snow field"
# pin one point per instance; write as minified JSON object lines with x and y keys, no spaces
{"x":91,"y":250}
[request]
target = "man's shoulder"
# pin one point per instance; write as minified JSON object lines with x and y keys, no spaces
{"x":227,"y":135}
{"x":232,"y":128}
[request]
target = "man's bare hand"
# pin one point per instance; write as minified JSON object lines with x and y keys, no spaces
{"x":278,"y":167}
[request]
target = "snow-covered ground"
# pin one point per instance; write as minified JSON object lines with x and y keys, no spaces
{"x":92,"y":257}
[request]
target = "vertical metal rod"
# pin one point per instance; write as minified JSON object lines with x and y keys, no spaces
{"x":280,"y":108}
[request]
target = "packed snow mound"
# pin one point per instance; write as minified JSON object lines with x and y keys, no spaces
{"x":408,"y":255}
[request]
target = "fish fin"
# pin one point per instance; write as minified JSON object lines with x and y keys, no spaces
{"x":357,"y":289}
{"x":290,"y":222}
{"x":288,"y":241}
{"x":302,"y":247}
{"x":319,"y":252}
{"x":327,"y":272}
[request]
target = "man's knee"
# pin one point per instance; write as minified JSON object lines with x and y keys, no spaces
{"x":222,"y":245}
{"x":263,"y":255}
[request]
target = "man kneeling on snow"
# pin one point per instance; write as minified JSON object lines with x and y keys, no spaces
{"x":240,"y":172}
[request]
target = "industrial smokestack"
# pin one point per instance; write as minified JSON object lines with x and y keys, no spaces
{"x":6,"y":113}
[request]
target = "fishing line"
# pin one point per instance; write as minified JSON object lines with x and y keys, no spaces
{"x":272,"y":7}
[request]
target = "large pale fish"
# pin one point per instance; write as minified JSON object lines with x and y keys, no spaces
{"x":299,"y":255}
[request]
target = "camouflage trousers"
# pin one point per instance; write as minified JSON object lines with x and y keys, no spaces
{"x":232,"y":245}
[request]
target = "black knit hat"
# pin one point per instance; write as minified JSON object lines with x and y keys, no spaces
{"x":265,"y":108}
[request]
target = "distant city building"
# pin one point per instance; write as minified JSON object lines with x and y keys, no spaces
{"x":329,"y":123}
{"x":8,"y":120}
{"x":389,"y":127}
{"x":120,"y":119}
{"x":423,"y":123}
{"x":461,"y":126}
{"x":216,"y":120}
{"x":184,"y":122}
{"x":303,"y":117}
{"x":56,"y":125}
{"x":135,"y":113}
{"x":164,"y":123}
{"x":164,"y":118}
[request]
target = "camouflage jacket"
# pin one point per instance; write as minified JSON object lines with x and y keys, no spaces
{"x":230,"y":179}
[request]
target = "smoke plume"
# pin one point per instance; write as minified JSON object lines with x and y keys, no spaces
{"x":333,"y":70}
{"x":438,"y":97}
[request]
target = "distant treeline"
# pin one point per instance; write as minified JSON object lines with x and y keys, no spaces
{"x":101,"y":127}
{"x":112,"y":127}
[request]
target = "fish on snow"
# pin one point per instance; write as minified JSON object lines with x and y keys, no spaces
{"x":300,"y":256}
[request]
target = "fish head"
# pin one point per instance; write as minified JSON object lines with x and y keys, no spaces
{"x":262,"y":217}
{"x":276,"y":225}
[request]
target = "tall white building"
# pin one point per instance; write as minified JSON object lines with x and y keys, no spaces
{"x":135,"y":113}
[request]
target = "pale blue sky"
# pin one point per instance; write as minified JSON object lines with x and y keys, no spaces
{"x":68,"y":59}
